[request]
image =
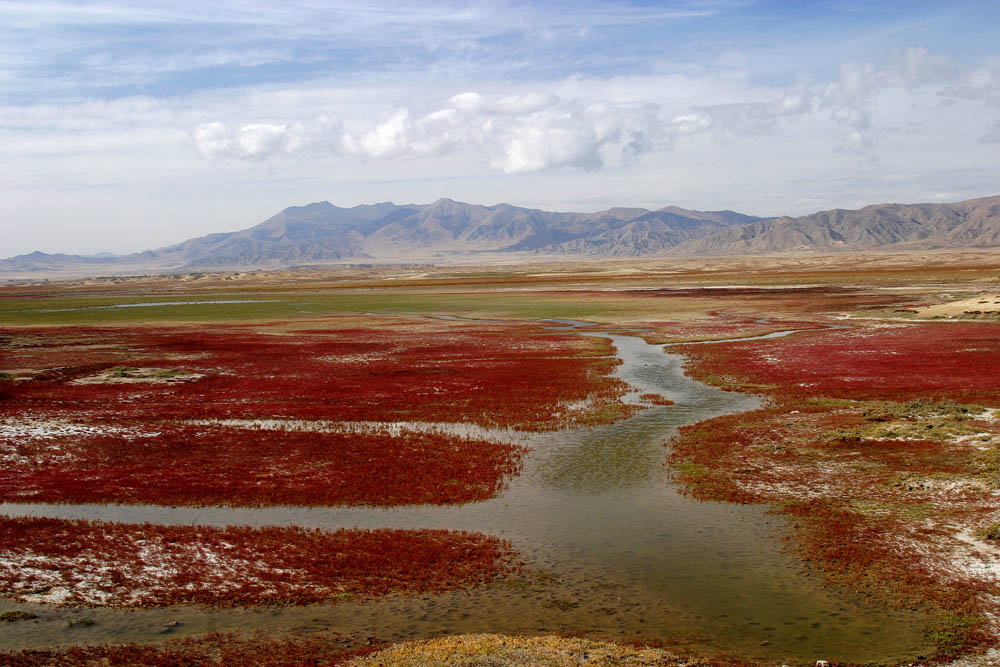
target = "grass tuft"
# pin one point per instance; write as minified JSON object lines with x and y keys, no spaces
{"x":15,"y":616}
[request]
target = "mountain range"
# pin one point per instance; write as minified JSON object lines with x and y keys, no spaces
{"x":447,"y":231}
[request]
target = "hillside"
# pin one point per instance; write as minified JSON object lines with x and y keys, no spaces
{"x":970,"y":224}
{"x":322,"y":233}
{"x":448,"y":231}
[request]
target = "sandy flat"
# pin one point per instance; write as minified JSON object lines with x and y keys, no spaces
{"x":982,"y":304}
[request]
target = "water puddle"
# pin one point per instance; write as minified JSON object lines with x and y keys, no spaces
{"x":611,"y":549}
{"x":151,"y":304}
{"x":767,"y":336}
{"x":567,"y":325}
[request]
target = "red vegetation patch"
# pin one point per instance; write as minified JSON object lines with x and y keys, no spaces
{"x":68,"y":441}
{"x":887,"y":497}
{"x":656,"y":399}
{"x":188,"y":465}
{"x":934,"y":360}
{"x":123,"y":565}
{"x":505,"y":376}
{"x":212,"y":649}
{"x":878,"y":514}
{"x":798,"y":450}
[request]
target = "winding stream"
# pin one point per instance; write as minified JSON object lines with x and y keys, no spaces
{"x":612,"y":548}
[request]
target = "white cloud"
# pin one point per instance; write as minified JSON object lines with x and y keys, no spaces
{"x":526,"y":103}
{"x":856,"y":142}
{"x":534,"y":130}
{"x":911,"y":69}
{"x":591,"y":123}
{"x":992,"y":134}
{"x":514,"y":134}
{"x":257,"y":142}
{"x":544,"y":139}
{"x":390,"y":138}
{"x":466,"y":101}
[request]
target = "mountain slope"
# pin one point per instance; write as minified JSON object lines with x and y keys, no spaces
{"x":316,"y":232}
{"x":447,"y":230}
{"x":970,"y":224}
{"x":649,"y":232}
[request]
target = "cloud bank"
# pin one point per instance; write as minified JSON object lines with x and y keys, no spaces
{"x":514,"y":134}
{"x":535,"y":131}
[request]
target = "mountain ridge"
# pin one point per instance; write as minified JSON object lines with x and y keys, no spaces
{"x":447,"y":230}
{"x":973,"y":223}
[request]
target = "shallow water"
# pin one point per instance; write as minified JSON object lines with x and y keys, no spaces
{"x":152,"y":304}
{"x":773,"y":334}
{"x":611,"y":546}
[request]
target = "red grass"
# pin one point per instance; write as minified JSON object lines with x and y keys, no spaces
{"x":225,"y":466}
{"x":954,"y":361}
{"x":111,"y":564}
{"x":790,"y":450}
{"x":850,"y":513}
{"x":656,"y":399}
{"x":500,"y":376}
{"x":211,"y":649}
{"x":879,"y":515}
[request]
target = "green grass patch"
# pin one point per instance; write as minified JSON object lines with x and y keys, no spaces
{"x":264,"y":305}
{"x":955,"y":634}
{"x":561,"y":604}
{"x":908,"y":511}
{"x":15,"y":616}
{"x":933,"y":429}
{"x":912,"y":420}
{"x":824,"y":402}
{"x":881,"y":411}
{"x":689,"y":470}
{"x":605,"y":414}
{"x":990,"y":532}
{"x":986,"y":465}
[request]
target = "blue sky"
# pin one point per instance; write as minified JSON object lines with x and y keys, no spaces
{"x":133,"y":125}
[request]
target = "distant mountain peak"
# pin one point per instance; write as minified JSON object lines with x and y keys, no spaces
{"x":321,"y":233}
{"x":974,"y":223}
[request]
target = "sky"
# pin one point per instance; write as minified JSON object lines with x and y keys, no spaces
{"x":134,"y":125}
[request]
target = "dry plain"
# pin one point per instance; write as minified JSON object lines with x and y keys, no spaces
{"x":311,"y":467}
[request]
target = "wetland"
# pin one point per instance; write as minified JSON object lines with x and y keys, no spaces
{"x":610,"y":547}
{"x":614,"y":534}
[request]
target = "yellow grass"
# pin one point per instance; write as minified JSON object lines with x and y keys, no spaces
{"x":506,"y":651}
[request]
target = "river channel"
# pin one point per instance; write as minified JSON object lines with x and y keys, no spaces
{"x":611,"y":547}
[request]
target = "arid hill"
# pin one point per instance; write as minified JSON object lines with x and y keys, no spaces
{"x":970,"y":224}
{"x":443,"y":231}
{"x":448,"y":231}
